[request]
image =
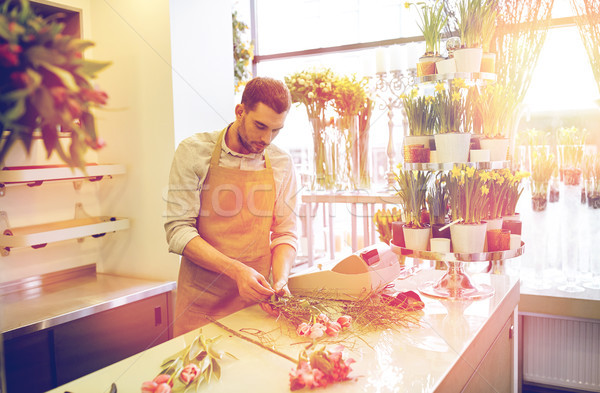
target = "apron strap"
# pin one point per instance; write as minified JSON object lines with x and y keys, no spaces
{"x":216,"y":154}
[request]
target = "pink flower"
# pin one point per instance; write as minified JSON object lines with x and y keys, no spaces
{"x":97,"y":96}
{"x":163,"y":388}
{"x":345,"y":321}
{"x":189,"y":373}
{"x":149,"y":387}
{"x":9,"y":55}
{"x":162,"y":378}
{"x":316,"y":331}
{"x":322,"y":318}
{"x":303,"y":329}
{"x":333,"y":329}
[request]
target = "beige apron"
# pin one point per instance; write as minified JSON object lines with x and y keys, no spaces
{"x":235,"y":218}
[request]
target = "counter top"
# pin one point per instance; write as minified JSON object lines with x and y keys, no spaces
{"x":440,"y":354}
{"x":29,"y":310}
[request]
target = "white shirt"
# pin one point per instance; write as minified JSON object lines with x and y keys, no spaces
{"x":188,"y":172}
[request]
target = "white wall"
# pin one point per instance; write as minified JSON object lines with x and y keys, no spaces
{"x":202,"y":53}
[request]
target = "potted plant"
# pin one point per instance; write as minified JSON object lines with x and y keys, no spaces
{"x":542,"y":167}
{"x":570,"y":142}
{"x":46,"y":88}
{"x":452,"y":139}
{"x":593,"y":169}
{"x":384,"y":220}
{"x":412,"y":190}
{"x":468,"y":194}
{"x":432,"y":21}
{"x":488,"y":28}
{"x":493,"y":105}
{"x":421,"y":121}
{"x":437,"y":204}
{"x":495,"y":182}
{"x":468,"y":57}
{"x":513,"y":193}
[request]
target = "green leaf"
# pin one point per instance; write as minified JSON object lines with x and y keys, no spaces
{"x":50,"y":137}
{"x":231,"y":355}
{"x":204,"y":364}
{"x":91,"y":67}
{"x":65,"y":76}
{"x":199,"y":383}
{"x":15,"y":112}
{"x":167,"y":363}
{"x":44,"y":104}
{"x":194,"y":350}
{"x":216,"y":369}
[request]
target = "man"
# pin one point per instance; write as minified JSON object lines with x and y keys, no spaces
{"x":230,"y":210}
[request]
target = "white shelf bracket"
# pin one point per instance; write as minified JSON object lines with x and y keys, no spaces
{"x":80,"y":213}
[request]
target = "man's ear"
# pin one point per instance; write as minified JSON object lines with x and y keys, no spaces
{"x":239,"y":110}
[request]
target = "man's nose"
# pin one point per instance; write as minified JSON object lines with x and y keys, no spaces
{"x":267,"y":137}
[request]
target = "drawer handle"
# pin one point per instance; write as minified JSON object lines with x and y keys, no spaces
{"x":157,"y":316}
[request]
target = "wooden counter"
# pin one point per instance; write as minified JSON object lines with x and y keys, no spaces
{"x":458,"y":345}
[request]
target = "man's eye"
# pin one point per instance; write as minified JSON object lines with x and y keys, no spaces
{"x":260,"y":127}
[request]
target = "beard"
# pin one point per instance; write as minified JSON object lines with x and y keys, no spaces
{"x":249,"y":146}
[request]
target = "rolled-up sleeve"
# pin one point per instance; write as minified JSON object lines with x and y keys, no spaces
{"x":284,"y":227}
{"x":183,"y":199}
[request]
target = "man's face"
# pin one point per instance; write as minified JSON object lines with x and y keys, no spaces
{"x":258,"y":127}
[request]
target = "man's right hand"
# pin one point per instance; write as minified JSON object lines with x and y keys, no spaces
{"x":251,"y":284}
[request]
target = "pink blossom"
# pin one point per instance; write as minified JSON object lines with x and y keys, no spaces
{"x":333,"y":329}
{"x":345,"y":321}
{"x":303,"y":329}
{"x":316,"y":331}
{"x":322,"y":318}
{"x":149,"y":387}
{"x":163,"y":388}
{"x":163,"y":378}
{"x":189,"y":373}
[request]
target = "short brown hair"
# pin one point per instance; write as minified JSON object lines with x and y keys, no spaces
{"x":271,"y":92}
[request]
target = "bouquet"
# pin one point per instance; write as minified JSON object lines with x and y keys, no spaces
{"x":46,"y":85}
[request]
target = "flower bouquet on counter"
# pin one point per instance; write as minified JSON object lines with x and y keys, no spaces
{"x":189,"y":369}
{"x":542,"y":167}
{"x":320,"y":367}
{"x":46,"y":85}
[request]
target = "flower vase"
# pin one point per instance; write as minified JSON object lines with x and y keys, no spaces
{"x":426,"y":64}
{"x":363,"y":158}
{"x":416,"y":238}
{"x":323,"y":180}
{"x":452,"y":147}
{"x":498,"y":148}
{"x":446,"y":66}
{"x":349,"y":168}
{"x":468,"y":59}
{"x":468,"y":238}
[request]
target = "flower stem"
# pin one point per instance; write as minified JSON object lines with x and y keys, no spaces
{"x":243,"y":337}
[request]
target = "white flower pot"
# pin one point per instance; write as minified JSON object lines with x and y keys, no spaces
{"x":446,"y":66}
{"x":494,"y":223}
{"x":468,"y":59}
{"x":468,"y":238}
{"x":498,"y":148}
{"x":452,"y":146}
{"x":416,"y":238}
{"x":479,"y":155}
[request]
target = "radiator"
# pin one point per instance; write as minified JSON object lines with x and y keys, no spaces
{"x":561,"y":352}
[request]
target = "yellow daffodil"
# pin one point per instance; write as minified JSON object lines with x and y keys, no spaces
{"x":456,"y":172}
{"x":485,"y":176}
{"x":403,"y":96}
{"x":456,"y":96}
{"x":406,"y":5}
{"x":414,"y":92}
{"x":470,"y":172}
{"x":459,"y":83}
{"x":484,"y":190}
{"x":439,"y":87}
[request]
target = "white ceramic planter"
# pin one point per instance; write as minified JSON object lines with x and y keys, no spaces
{"x":416,"y":238}
{"x":498,"y":148}
{"x":494,"y":223}
{"x":468,"y":238}
{"x":479,"y":155}
{"x":468,"y":59}
{"x":446,"y":66}
{"x":452,"y":146}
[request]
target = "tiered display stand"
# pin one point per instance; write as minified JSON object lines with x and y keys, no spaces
{"x":456,"y":283}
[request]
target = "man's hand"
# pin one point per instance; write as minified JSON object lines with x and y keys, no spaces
{"x":251,"y":284}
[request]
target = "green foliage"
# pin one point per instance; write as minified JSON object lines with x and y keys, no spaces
{"x":411,"y":187}
{"x":495,"y":104}
{"x":243,"y":52}
{"x":432,"y":21}
{"x":46,"y":85}
{"x":420,"y":113}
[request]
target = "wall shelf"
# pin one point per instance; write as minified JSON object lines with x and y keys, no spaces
{"x":35,"y":176}
{"x":477,"y":77}
{"x":38,"y":236}
{"x":447,"y":166}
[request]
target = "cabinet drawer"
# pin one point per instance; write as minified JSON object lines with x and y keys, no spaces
{"x":29,"y":363}
{"x":94,"y":342}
